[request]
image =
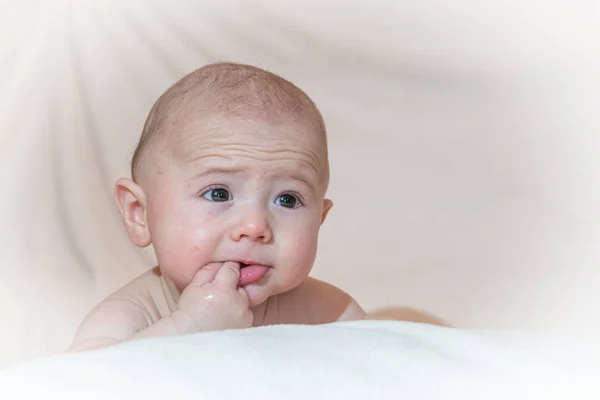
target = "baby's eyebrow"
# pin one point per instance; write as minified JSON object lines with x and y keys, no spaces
{"x":218,"y":171}
{"x":302,"y":179}
{"x":236,"y":170}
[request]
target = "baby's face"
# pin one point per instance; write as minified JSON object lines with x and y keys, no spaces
{"x":238,"y":190}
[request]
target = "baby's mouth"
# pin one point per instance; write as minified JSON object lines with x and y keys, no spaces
{"x":247,"y":263}
{"x":251,"y":272}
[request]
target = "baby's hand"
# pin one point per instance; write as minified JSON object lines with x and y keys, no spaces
{"x":213,"y":301}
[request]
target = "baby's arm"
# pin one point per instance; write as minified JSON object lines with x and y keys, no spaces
{"x":212,"y":301}
{"x":126,"y":315}
{"x":117,"y":320}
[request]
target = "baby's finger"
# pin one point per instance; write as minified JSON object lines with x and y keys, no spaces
{"x":244,"y":295}
{"x":229,"y":274}
{"x":206,"y":274}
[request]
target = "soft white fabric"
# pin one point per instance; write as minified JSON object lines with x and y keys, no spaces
{"x":463,"y":136}
{"x":360,"y":360}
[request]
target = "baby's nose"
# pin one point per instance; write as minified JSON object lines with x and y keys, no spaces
{"x":254,"y":226}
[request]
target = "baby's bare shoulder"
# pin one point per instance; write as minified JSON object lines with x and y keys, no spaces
{"x":313,"y":302}
{"x":145,"y":292}
{"x":328,"y":303}
{"x":127,"y":311}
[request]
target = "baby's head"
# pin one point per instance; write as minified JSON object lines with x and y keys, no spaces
{"x":232,"y":166}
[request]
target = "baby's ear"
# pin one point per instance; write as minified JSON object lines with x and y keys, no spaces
{"x":327,"y":204}
{"x":131,"y":201}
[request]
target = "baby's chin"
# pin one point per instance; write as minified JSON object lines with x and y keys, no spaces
{"x":257,"y":294}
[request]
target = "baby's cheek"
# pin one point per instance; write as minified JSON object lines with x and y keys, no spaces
{"x":193,"y":234}
{"x":172,"y":245}
{"x":188,"y":247}
{"x":202,"y":238}
{"x":172,"y":234}
{"x":300,"y":249}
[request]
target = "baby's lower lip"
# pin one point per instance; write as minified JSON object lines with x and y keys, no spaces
{"x":250,"y":273}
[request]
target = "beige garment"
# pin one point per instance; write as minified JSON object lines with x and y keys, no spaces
{"x":464,"y":149}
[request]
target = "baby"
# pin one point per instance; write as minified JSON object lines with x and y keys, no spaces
{"x":228,"y":184}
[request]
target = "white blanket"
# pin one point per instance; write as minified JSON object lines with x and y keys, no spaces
{"x":358,"y":360}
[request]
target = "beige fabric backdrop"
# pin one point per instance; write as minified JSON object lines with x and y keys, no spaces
{"x":464,"y":148}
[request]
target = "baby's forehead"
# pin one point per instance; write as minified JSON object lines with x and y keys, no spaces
{"x":222,"y":133}
{"x":230,"y":141}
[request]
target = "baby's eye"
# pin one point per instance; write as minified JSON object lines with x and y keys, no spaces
{"x":218,"y":195}
{"x":287,"y":201}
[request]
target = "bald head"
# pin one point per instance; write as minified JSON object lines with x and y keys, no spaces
{"x":231,"y":90}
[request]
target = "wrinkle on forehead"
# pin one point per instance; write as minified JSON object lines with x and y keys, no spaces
{"x":250,"y":140}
